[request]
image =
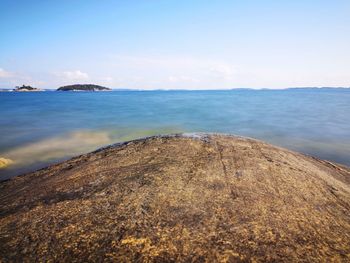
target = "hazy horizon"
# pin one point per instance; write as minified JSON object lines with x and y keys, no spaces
{"x":184,"y":89}
{"x":152,"y":45}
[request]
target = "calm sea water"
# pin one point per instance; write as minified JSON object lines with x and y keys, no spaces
{"x":43,"y":127}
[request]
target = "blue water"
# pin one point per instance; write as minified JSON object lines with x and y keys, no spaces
{"x":39,"y":128}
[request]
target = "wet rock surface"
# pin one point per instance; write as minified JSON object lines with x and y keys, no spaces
{"x":179,"y":198}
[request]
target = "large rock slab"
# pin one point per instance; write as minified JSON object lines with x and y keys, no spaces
{"x":179,"y":198}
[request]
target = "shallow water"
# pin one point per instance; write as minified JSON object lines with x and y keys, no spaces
{"x":44,"y":127}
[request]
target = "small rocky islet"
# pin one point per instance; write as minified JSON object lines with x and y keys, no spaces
{"x":83,"y":87}
{"x":183,"y":198}
{"x":26,"y":88}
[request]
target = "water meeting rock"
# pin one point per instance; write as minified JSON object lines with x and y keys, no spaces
{"x":200,"y":197}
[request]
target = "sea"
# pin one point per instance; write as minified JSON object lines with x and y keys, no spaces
{"x":41,"y":128}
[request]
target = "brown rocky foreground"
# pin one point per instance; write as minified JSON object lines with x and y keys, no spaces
{"x":179,"y":198}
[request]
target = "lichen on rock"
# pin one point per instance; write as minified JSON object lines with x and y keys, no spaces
{"x":185,"y":198}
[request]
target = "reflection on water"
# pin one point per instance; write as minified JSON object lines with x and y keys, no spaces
{"x":40,"y":128}
{"x":57,"y":147}
{"x":46,"y":151}
{"x":4,"y":163}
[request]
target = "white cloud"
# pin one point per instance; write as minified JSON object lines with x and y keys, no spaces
{"x":73,"y":75}
{"x":224,"y":71}
{"x":182,"y":79}
{"x":108,"y":79}
{"x":5,"y":74}
{"x":12,"y":79}
{"x":170,"y":72}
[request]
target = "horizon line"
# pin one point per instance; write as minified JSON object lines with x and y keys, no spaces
{"x":220,"y":89}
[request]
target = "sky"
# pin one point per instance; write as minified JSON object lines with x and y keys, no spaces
{"x":175,"y":44}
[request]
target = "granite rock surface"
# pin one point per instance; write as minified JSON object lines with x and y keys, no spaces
{"x":183,"y":198}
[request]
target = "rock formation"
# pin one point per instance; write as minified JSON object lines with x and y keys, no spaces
{"x":26,"y":88}
{"x":83,"y":87}
{"x":179,"y":198}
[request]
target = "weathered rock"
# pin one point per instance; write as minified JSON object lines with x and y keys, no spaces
{"x":179,"y":198}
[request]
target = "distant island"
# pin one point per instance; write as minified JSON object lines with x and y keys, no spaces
{"x":83,"y":87}
{"x":26,"y":88}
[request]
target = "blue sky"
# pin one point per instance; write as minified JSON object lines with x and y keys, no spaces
{"x":175,"y":44}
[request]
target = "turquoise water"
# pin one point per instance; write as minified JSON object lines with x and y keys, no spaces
{"x":43,"y":127}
